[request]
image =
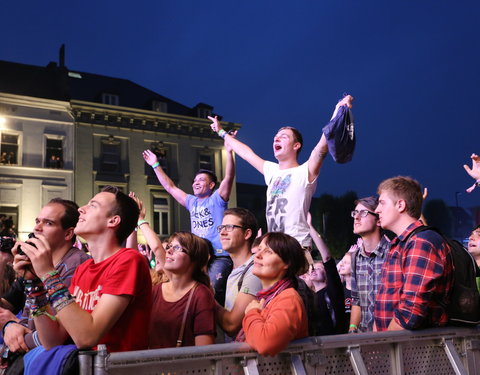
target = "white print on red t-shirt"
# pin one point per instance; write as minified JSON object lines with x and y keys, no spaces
{"x":89,"y":300}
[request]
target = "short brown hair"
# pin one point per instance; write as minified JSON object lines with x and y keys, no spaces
{"x":370,"y":202}
{"x":71,"y":215}
{"x":127,"y":209}
{"x":297,"y":136}
{"x":407,"y":189}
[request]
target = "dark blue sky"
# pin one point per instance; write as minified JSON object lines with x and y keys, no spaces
{"x":413,"y":67}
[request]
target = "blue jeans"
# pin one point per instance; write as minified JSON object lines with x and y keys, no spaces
{"x":218,"y":271}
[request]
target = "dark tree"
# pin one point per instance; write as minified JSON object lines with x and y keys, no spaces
{"x":438,"y":215}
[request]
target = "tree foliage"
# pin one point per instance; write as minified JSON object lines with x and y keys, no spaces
{"x":331,"y":217}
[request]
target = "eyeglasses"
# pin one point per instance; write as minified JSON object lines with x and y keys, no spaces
{"x":176,"y":248}
{"x":228,"y":227}
{"x":363,"y":213}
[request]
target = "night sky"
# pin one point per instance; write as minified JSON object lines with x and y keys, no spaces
{"x":412,"y":66}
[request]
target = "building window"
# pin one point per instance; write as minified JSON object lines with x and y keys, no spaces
{"x":110,"y":155}
{"x":205,"y":161}
{"x":54,"y":153}
{"x":161,"y":216}
{"x":8,"y":221}
{"x":9,"y":149}
{"x":111,"y":99}
{"x":159,"y":106}
{"x":203,"y":112}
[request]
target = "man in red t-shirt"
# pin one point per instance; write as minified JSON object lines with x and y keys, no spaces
{"x":111,"y":299}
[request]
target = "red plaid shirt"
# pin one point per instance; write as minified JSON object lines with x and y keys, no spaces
{"x":417,"y":278}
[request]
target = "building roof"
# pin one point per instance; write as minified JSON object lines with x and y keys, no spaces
{"x":48,"y":82}
{"x":59,"y":83}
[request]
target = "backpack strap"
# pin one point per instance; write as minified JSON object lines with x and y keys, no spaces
{"x":353,"y":266}
{"x":242,"y":276}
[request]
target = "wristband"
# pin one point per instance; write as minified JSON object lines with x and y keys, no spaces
{"x":49,"y":274}
{"x":42,"y":311}
{"x":476,"y":184}
{"x":222,"y":133}
{"x":155,"y":165}
{"x":354,"y":326}
{"x":141,"y":222}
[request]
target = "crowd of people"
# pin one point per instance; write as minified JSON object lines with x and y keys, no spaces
{"x":223,"y":280}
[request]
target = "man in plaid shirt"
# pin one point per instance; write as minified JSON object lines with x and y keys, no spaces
{"x":417,"y":275}
{"x":367,"y":262}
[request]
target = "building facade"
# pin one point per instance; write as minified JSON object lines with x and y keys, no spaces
{"x":83,"y":131}
{"x":36,"y":165}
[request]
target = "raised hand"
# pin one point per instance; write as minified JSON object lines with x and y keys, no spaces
{"x":139,"y":203}
{"x":149,"y":157}
{"x":474,"y":172}
{"x":215,"y":125}
{"x":347,"y":100}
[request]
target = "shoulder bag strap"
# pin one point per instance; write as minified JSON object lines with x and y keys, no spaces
{"x":184,"y":319}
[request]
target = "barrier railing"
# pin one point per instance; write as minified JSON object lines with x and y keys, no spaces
{"x":442,"y":351}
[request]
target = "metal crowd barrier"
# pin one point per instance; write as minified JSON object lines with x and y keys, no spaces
{"x":441,"y":351}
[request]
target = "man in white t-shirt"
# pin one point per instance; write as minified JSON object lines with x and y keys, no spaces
{"x":290,"y":185}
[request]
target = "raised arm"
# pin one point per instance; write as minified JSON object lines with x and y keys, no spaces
{"x":150,"y":236}
{"x":177,"y":193}
{"x":225,"y":187}
{"x":241,"y":149}
{"x":315,"y":161}
{"x":318,"y":240}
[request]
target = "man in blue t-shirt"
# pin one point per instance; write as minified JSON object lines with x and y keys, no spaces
{"x":206,"y":207}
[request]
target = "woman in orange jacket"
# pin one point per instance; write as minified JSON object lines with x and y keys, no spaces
{"x":278,"y":315}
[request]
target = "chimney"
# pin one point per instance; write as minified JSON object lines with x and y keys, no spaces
{"x":61,"y":58}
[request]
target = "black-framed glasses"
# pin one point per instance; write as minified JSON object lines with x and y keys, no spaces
{"x":176,"y":248}
{"x":363,"y":213}
{"x":228,"y":227}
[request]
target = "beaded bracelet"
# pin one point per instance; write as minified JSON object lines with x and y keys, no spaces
{"x":58,"y":294}
{"x":36,"y":295}
{"x":155,"y":165}
{"x":222,"y":133}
